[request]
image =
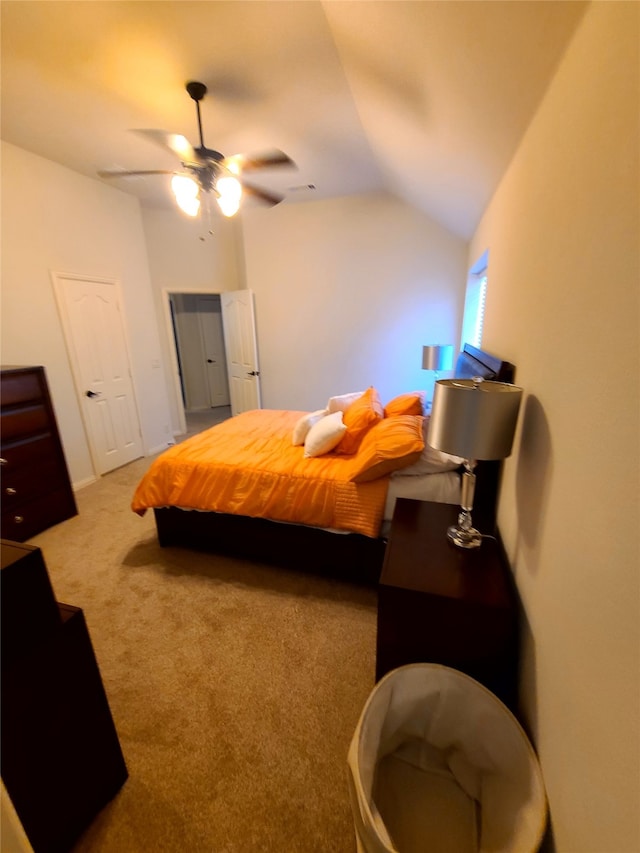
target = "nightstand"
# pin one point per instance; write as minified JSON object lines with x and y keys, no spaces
{"x":438,"y":603}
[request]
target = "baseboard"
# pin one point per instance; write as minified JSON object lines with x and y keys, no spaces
{"x":159,"y":448}
{"x":80,"y":484}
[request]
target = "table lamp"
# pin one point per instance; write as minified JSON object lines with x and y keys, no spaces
{"x":436,"y":357}
{"x":474,"y":419}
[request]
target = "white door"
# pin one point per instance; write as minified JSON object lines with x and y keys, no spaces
{"x":238,"y":320}
{"x":94,"y":331}
{"x":215,"y":359}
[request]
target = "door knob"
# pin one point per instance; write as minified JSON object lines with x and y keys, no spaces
{"x":211,"y":361}
{"x":253,"y":373}
{"x":92,"y":393}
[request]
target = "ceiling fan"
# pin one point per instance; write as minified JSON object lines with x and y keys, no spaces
{"x":204,"y":170}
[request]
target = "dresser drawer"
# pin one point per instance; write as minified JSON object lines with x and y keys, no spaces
{"x":20,"y":387}
{"x":37,"y":515}
{"x":30,"y":452}
{"x":24,"y":483}
{"x":35,"y":491}
{"x":24,"y":421}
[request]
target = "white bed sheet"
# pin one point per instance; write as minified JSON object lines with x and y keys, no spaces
{"x":441,"y":488}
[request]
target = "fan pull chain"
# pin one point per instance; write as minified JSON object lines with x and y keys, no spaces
{"x":209,"y":225}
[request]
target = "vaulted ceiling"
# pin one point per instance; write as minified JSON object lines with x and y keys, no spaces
{"x":427,"y":100}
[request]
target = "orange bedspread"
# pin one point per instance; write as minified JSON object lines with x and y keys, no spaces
{"x":247,"y":465}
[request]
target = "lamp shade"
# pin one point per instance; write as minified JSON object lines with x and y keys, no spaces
{"x":186,"y":192}
{"x":474,"y":418}
{"x":439,"y":357}
{"x":229,"y":194}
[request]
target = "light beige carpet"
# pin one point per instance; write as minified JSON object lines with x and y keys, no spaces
{"x":235,"y":687}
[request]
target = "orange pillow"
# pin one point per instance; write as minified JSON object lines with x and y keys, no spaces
{"x":405,"y":404}
{"x":362,"y":414}
{"x":391,"y":444}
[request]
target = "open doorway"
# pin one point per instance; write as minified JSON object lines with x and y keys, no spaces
{"x":201,"y":358}
{"x":234,"y":337}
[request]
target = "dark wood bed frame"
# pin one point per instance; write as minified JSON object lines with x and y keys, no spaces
{"x":350,"y":556}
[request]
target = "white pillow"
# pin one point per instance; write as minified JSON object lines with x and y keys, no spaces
{"x":342,"y":402}
{"x":324,"y":435}
{"x":305,"y":423}
{"x":431,"y":461}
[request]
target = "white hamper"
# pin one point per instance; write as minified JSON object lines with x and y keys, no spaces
{"x":438,"y":764}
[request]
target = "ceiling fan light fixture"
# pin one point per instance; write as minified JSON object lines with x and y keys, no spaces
{"x":229,"y":191}
{"x":190,"y":206}
{"x":203,"y":170}
{"x":186,"y":192}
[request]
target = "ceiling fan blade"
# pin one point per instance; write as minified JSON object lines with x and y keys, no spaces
{"x":239,"y":163}
{"x":263,"y":195}
{"x":129,"y":174}
{"x":176,"y":143}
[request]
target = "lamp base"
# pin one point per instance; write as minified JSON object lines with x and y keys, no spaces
{"x":462,"y":534}
{"x":465,"y":538}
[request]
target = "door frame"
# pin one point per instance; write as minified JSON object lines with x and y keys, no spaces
{"x":173,"y":349}
{"x":57,"y":279}
{"x":171,"y":339}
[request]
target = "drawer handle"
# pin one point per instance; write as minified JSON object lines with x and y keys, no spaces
{"x":3,"y":461}
{"x":10,"y":491}
{"x":18,"y":519}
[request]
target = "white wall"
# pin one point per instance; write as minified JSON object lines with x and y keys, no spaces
{"x":56,"y":220}
{"x":564,"y":280}
{"x":347,"y":292}
{"x":185,"y":258}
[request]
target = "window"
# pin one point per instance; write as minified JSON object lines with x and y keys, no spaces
{"x":474,"y":303}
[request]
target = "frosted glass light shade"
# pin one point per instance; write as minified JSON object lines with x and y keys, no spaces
{"x":186,"y":192}
{"x":474,"y":418}
{"x":229,"y":194}
{"x":438,"y":358}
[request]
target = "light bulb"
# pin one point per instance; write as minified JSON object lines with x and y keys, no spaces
{"x":229,"y":194}
{"x":186,"y":192}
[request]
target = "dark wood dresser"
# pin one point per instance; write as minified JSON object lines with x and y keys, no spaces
{"x":61,"y":756}
{"x":36,"y":490}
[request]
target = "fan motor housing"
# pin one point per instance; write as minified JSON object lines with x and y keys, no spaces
{"x":196,"y":90}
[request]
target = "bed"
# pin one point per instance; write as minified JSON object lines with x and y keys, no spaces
{"x":279,"y":501}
